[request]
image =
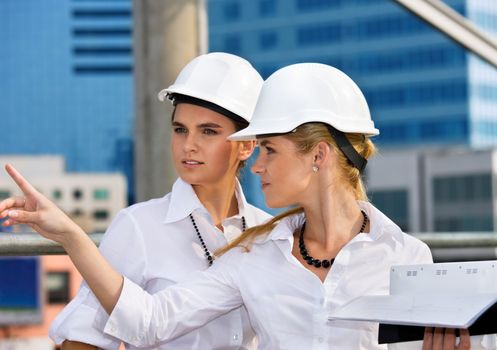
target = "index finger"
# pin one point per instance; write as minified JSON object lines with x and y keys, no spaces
{"x":428,"y":338}
{"x":23,"y":184}
{"x":465,"y":342}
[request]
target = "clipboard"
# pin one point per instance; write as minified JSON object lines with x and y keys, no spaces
{"x":446,"y":295}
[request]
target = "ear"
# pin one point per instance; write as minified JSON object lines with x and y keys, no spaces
{"x":321,"y":153}
{"x":245,"y":149}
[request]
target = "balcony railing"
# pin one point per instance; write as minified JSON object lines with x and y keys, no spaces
{"x":26,"y":244}
{"x":461,"y":246}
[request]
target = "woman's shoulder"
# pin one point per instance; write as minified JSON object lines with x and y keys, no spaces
{"x":383,"y":226}
{"x":151,"y":206}
{"x":385,"y":229}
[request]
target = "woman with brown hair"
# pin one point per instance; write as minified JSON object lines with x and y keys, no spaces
{"x":159,"y":242}
{"x":313,"y":125}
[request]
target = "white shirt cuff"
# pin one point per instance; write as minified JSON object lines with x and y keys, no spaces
{"x":129,"y":319}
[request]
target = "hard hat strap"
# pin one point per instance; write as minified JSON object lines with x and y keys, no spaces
{"x":179,"y":98}
{"x":346,"y":147}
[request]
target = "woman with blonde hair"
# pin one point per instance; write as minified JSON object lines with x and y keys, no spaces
{"x":313,"y":127}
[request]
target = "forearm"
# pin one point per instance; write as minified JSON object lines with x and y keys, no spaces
{"x":75,"y":345}
{"x":105,"y":282}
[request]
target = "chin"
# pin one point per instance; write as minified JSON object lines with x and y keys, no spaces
{"x":274,"y":204}
{"x":192,"y":180}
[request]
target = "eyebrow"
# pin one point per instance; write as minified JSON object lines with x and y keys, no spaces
{"x":264,"y":143}
{"x":202,"y":125}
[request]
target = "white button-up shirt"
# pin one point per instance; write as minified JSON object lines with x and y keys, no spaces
{"x":288,"y":305}
{"x":155,"y":245}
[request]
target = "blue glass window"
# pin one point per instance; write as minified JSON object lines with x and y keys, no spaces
{"x":268,"y":40}
{"x":267,"y":7}
{"x":389,"y":26}
{"x":393,"y":203}
{"x":428,"y":58}
{"x":231,"y":11}
{"x":309,"y":5}
{"x":232,"y":44}
{"x":317,"y":34}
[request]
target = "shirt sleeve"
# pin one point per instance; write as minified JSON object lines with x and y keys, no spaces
{"x":142,"y":319}
{"x":122,"y":245}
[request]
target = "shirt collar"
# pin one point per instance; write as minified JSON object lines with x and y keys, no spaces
{"x":285,"y":228}
{"x":184,"y":201}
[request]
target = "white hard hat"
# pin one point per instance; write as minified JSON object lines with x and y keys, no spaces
{"x":221,"y":79}
{"x":309,"y":92}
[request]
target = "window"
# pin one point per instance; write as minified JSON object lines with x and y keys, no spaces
{"x":268,"y":40}
{"x":389,"y":26}
{"x":267,"y":7}
{"x":100,"y":32}
{"x":57,"y":194}
{"x":318,"y":34}
{"x":97,"y":50}
{"x":101,"y":214}
{"x":77,"y":194}
{"x":406,"y":60}
{"x":394,"y":204}
{"x":232,"y":44}
{"x":231,"y":11}
{"x":101,"y":194}
{"x":58,"y":287}
{"x":101,"y":13}
{"x":415,"y":94}
{"x":462,"y":188}
{"x":312,"y":5}
{"x":464,"y":223}
{"x":103,"y":69}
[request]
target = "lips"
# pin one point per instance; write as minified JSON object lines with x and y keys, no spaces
{"x":191,"y":162}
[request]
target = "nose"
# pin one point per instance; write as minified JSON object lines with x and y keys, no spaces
{"x":258,"y":167}
{"x":190,"y":144}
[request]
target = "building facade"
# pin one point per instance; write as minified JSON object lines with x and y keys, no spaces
{"x":91,"y":199}
{"x":422,"y":88}
{"x":445,"y":190}
{"x":67,"y":82}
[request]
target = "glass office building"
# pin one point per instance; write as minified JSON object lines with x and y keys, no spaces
{"x":66,"y":82}
{"x":422,"y":88}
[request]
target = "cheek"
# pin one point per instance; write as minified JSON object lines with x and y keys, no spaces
{"x":175,"y":147}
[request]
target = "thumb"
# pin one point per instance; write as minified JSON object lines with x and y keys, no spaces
{"x":22,"y":216}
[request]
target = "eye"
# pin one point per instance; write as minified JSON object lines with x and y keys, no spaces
{"x":180,"y":130}
{"x":208,"y":131}
{"x":269,"y":150}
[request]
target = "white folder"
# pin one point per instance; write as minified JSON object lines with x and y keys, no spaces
{"x":452,"y":295}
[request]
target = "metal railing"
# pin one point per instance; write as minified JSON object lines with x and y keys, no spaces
{"x":27,"y":244}
{"x":445,"y":246}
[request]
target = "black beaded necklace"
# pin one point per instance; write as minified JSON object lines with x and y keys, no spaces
{"x":207,"y":253}
{"x":323,"y":263}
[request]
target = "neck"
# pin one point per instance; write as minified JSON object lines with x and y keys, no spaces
{"x":333,"y":217}
{"x":219,"y":200}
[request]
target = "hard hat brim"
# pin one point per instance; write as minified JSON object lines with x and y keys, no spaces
{"x":276,"y":126}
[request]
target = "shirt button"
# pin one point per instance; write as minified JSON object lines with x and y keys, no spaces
{"x":320,"y":339}
{"x":235,"y":337}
